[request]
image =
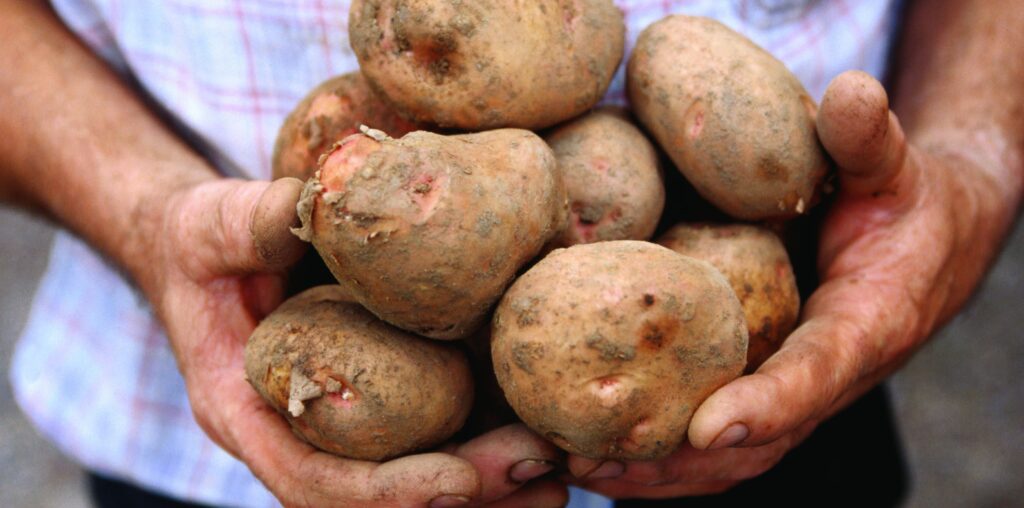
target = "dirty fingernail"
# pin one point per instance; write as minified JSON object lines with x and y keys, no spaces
{"x":608,"y":469}
{"x":526,"y":470}
{"x":449,"y":501}
{"x":731,"y":436}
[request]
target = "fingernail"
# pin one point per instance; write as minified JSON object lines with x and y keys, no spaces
{"x":449,"y":501}
{"x":731,"y":436}
{"x":526,"y":470}
{"x":608,"y":469}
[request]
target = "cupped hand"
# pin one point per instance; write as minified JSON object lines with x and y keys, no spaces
{"x":218,"y":270}
{"x":908,"y":238}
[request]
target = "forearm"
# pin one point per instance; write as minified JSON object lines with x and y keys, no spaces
{"x":81,"y":146}
{"x":958,"y":89}
{"x":959,"y":97}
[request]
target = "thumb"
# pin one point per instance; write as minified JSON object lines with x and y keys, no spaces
{"x":270,"y":225}
{"x":232,"y":227}
{"x":861,"y":134}
{"x":846,"y":331}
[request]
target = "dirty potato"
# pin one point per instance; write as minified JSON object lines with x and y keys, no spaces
{"x":330,"y":112}
{"x":755,"y":262}
{"x":734,"y":120}
{"x":608,"y":348}
{"x":353,"y":385}
{"x":427,"y":231}
{"x":612,"y":178}
{"x":484,"y":65}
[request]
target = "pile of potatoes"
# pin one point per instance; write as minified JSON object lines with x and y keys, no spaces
{"x":484,"y":219}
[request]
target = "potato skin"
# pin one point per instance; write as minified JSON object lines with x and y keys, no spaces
{"x":612,"y":178}
{"x":427,"y":231}
{"x":484,"y":65}
{"x":734,"y":120}
{"x":756,"y":264}
{"x":606,"y":349}
{"x":353,"y":385}
{"x":330,"y":112}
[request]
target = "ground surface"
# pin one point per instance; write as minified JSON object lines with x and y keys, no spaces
{"x":960,"y":403}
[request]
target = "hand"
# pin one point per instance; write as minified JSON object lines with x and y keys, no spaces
{"x":907,"y":240}
{"x":216,"y":272}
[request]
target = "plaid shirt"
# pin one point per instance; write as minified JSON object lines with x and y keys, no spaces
{"x":93,"y":369}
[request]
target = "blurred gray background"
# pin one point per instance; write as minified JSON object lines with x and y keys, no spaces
{"x":959,"y":403}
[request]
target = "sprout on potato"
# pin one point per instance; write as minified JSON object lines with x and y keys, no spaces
{"x":353,"y":385}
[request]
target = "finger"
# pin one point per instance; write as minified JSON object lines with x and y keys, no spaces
{"x":834,"y":355}
{"x":261,"y":294}
{"x":688,"y":465}
{"x":299,"y":475}
{"x":230,"y":227}
{"x":584,"y":468}
{"x":539,"y":493}
{"x":507,"y":458}
{"x":863,"y":137}
{"x":271,"y":223}
{"x":881,"y":178}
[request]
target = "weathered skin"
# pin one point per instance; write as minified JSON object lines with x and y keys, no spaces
{"x":353,"y":385}
{"x":612,"y":177}
{"x":734,"y":120}
{"x":607,"y":349}
{"x":333,"y":110}
{"x":483,"y":65}
{"x":427,"y":231}
{"x":755,"y":262}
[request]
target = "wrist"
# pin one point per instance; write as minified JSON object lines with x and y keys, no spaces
{"x":85,"y":151}
{"x":146,"y":225}
{"x":992,"y":163}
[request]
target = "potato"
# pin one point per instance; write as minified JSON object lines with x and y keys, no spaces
{"x":427,"y":231}
{"x":734,"y":120}
{"x":353,"y":385}
{"x":755,"y":263}
{"x":483,"y":65}
{"x":606,"y":349}
{"x":612,"y":178}
{"x":333,"y":110}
